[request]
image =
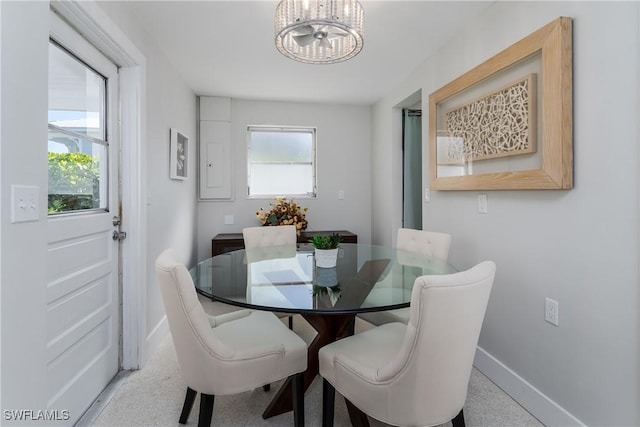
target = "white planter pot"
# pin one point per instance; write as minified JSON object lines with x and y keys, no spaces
{"x":326,"y":277}
{"x":326,"y":258}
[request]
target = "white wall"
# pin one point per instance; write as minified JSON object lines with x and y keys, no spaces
{"x":24,"y":38}
{"x":171,"y":204}
{"x":343,"y":159}
{"x":579,"y":247}
{"x":24,"y":162}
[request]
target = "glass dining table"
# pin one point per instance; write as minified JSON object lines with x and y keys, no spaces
{"x":366,"y":278}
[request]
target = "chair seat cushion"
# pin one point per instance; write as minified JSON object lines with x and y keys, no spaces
{"x":362,"y":353}
{"x":261,"y":349}
{"x":262,"y":331}
{"x":357,"y":366}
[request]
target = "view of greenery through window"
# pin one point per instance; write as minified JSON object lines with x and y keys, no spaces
{"x":73,"y":182}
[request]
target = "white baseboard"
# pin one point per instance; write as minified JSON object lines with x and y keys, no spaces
{"x":533,"y":400}
{"x":157,"y":334}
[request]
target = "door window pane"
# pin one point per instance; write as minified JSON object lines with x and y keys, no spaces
{"x":75,"y":168}
{"x":78,"y":173}
{"x":76,"y":95}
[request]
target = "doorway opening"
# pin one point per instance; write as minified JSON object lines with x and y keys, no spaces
{"x":412,"y":168}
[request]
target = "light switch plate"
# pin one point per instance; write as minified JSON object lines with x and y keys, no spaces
{"x":25,"y":204}
{"x":483,"y":204}
{"x":229,"y":219}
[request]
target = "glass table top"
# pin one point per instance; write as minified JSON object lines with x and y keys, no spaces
{"x":285,"y":278}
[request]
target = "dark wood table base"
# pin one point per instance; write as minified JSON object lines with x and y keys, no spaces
{"x":330,"y":328}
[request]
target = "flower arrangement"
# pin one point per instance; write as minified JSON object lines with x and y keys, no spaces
{"x":284,"y":212}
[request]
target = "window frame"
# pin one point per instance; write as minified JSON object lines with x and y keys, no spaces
{"x":95,"y":61}
{"x":314,"y":166}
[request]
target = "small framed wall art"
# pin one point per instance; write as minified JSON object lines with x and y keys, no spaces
{"x":507,"y":124}
{"x":179,"y":155}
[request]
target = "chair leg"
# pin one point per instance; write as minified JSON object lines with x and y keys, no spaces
{"x":298,"y":399}
{"x":328,"y":403}
{"x":290,"y":322}
{"x":206,"y":410}
{"x":458,"y":421}
{"x":188,"y":404}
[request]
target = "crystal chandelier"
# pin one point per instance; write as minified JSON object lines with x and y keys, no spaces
{"x":319,"y":31}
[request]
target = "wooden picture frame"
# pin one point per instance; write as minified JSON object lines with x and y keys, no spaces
{"x":179,"y":155}
{"x":547,"y":161}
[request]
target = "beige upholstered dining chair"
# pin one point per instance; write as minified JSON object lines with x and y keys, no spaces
{"x":424,"y":242}
{"x":277,"y":235}
{"x":415,"y":374}
{"x":226,"y":354}
{"x":409,"y":241}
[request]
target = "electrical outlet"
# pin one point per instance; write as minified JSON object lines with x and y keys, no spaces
{"x":551,"y":311}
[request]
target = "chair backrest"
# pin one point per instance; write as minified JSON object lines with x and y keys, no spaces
{"x":428,"y":243}
{"x":430,"y":374}
{"x":196,"y":344}
{"x":278,"y":235}
{"x":270,"y":252}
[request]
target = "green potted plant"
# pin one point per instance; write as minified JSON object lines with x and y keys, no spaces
{"x":326,"y":250}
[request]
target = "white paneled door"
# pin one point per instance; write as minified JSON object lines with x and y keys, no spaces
{"x":83,"y":320}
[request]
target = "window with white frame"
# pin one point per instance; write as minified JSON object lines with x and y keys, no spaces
{"x":281,"y":161}
{"x":77,"y":143}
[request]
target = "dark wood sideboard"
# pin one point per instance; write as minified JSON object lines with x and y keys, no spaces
{"x":227,"y":242}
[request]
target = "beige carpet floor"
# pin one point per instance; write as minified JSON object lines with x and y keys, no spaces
{"x":153,"y":396}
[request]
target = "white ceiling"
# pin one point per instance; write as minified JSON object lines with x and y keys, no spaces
{"x":226,"y":48}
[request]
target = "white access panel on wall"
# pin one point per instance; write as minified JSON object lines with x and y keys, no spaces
{"x":215,"y":160}
{"x":215,"y":148}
